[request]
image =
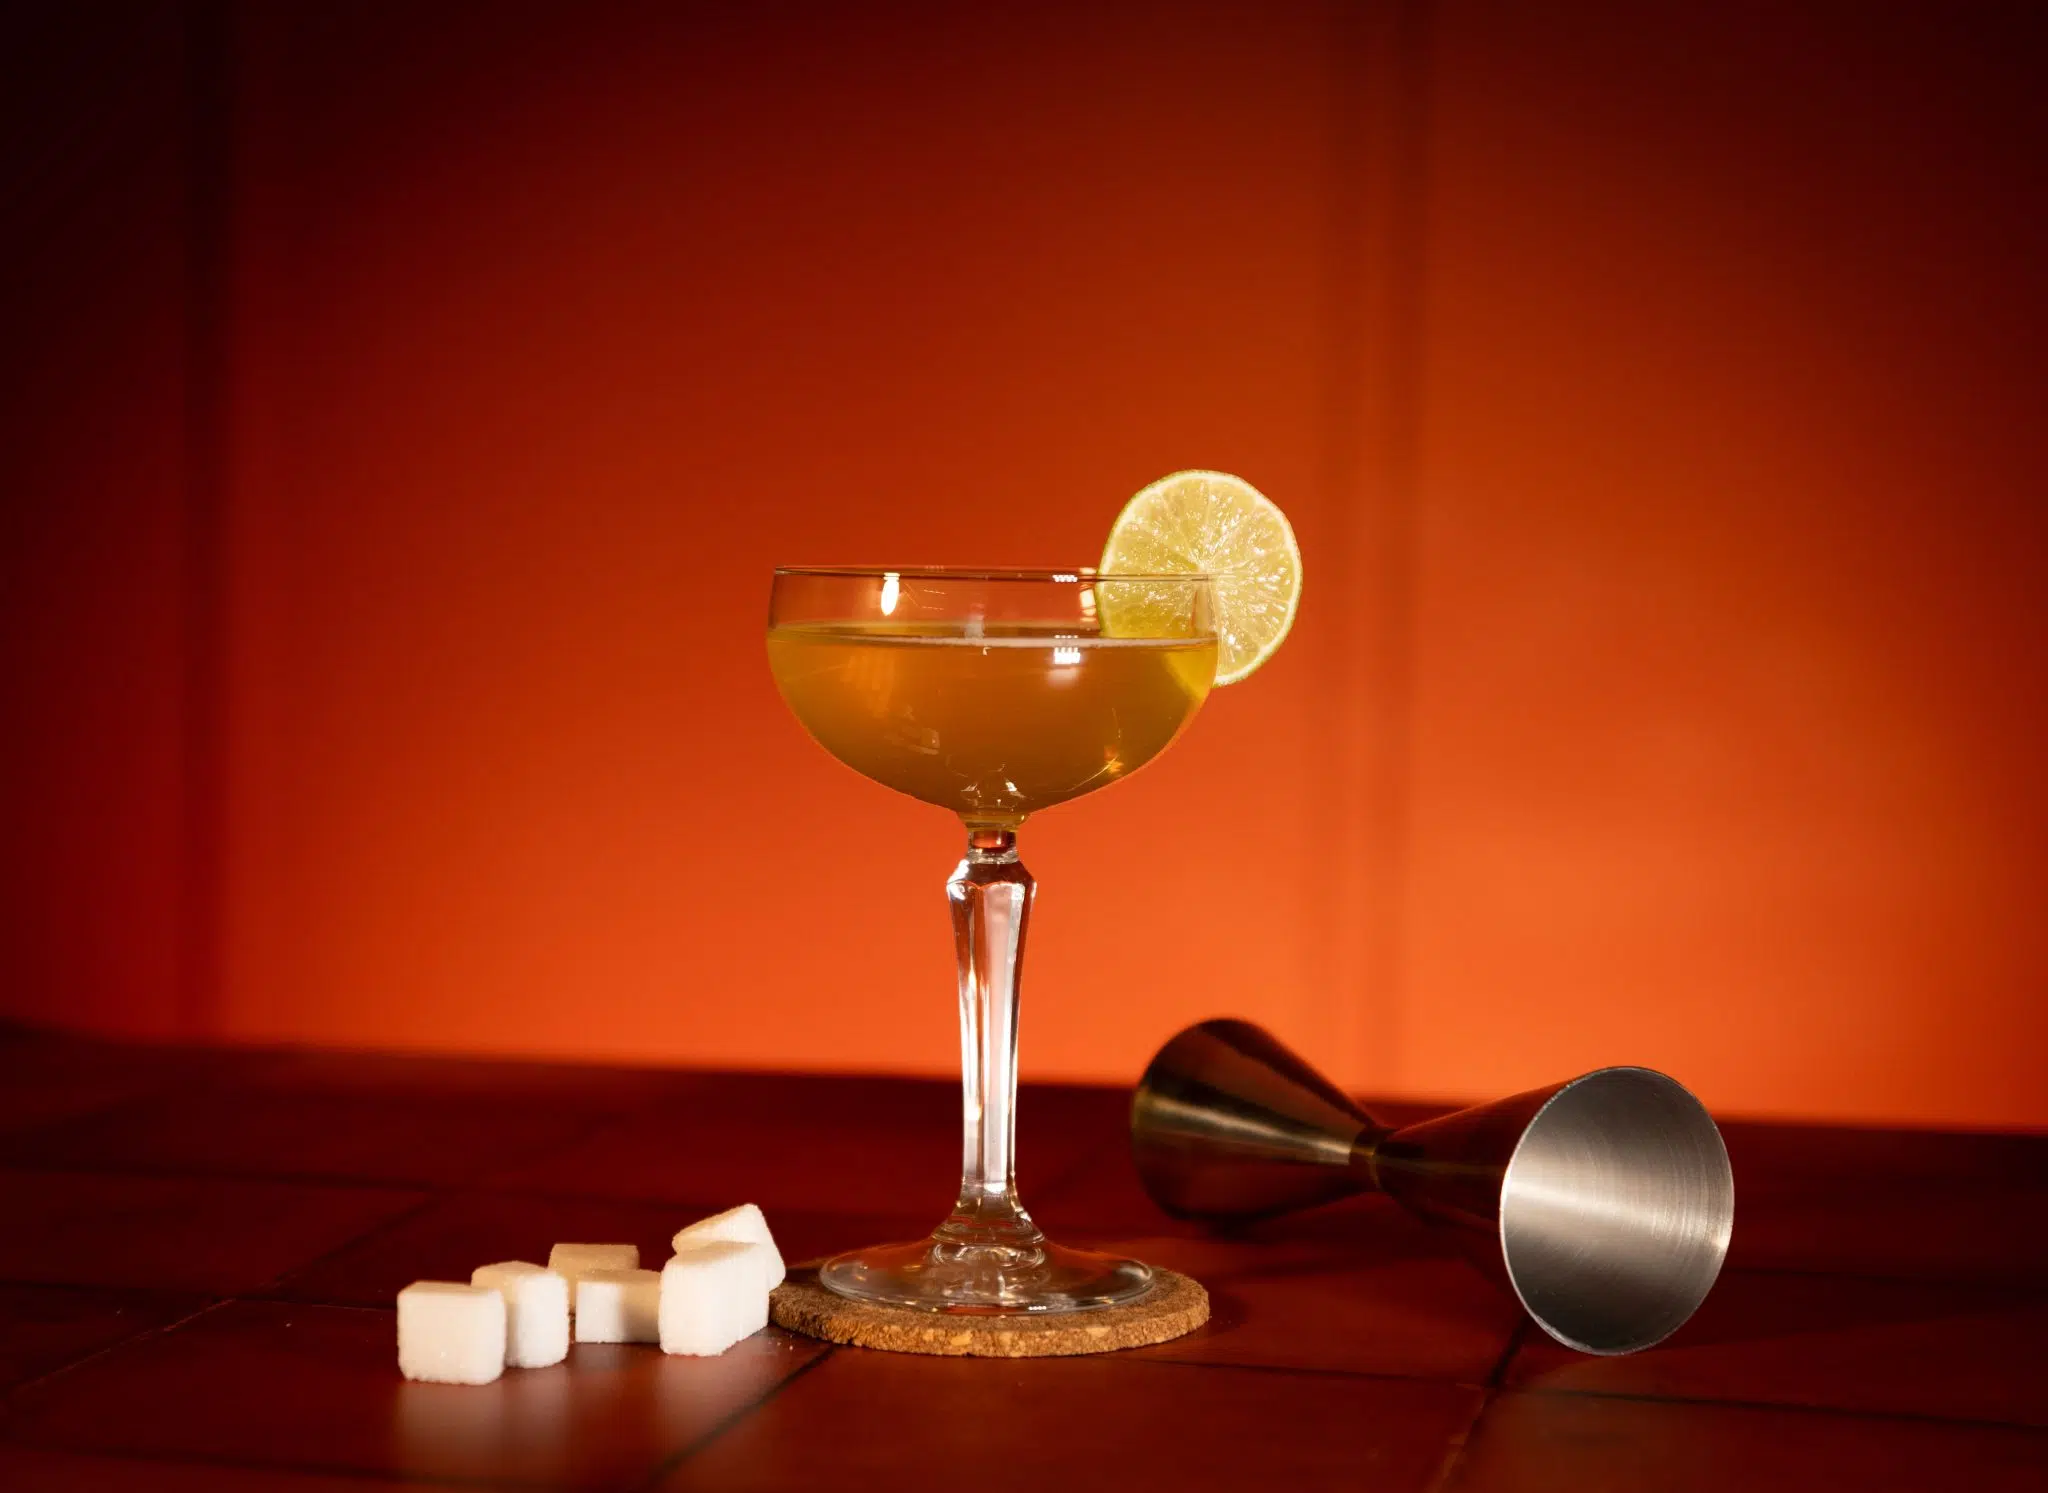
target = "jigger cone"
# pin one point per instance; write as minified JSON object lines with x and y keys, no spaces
{"x":1604,"y":1202}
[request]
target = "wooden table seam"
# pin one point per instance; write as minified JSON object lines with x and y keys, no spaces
{"x":130,"y":1341}
{"x":667,"y":1467}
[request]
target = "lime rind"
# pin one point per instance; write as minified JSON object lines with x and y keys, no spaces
{"x":1210,"y":522}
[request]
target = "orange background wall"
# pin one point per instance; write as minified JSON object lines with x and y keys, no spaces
{"x":408,"y":403}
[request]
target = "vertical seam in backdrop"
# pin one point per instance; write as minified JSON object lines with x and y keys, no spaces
{"x":209,"y":81}
{"x":1372,"y":388}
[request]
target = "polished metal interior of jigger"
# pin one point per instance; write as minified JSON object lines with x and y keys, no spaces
{"x":1604,"y":1203}
{"x":1615,"y":1210}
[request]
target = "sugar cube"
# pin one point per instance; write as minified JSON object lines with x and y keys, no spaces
{"x":619,"y":1306}
{"x":450,"y":1333}
{"x":713,"y":1294}
{"x":574,"y":1261}
{"x":536,"y":1311}
{"x":741,"y":1225}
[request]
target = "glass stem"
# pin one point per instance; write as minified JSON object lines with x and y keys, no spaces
{"x":990,"y":895}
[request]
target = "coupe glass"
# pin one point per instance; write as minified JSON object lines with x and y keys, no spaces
{"x":994,"y":694}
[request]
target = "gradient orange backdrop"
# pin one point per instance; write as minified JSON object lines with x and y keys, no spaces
{"x":409,"y":404}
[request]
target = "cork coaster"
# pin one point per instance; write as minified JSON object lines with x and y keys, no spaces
{"x":1175,"y":1305}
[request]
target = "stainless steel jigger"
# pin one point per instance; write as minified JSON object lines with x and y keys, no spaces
{"x":1604,"y":1203}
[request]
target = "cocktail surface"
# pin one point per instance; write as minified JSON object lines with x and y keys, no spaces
{"x":994,"y":722}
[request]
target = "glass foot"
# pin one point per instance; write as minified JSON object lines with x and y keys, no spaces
{"x":940,"y":1275}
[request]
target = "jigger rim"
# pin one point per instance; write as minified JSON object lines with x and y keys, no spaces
{"x":1695,"y":1216}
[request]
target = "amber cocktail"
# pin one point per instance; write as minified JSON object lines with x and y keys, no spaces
{"x":993,"y":694}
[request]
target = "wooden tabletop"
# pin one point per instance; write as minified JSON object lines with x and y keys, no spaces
{"x":199,"y":1251}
